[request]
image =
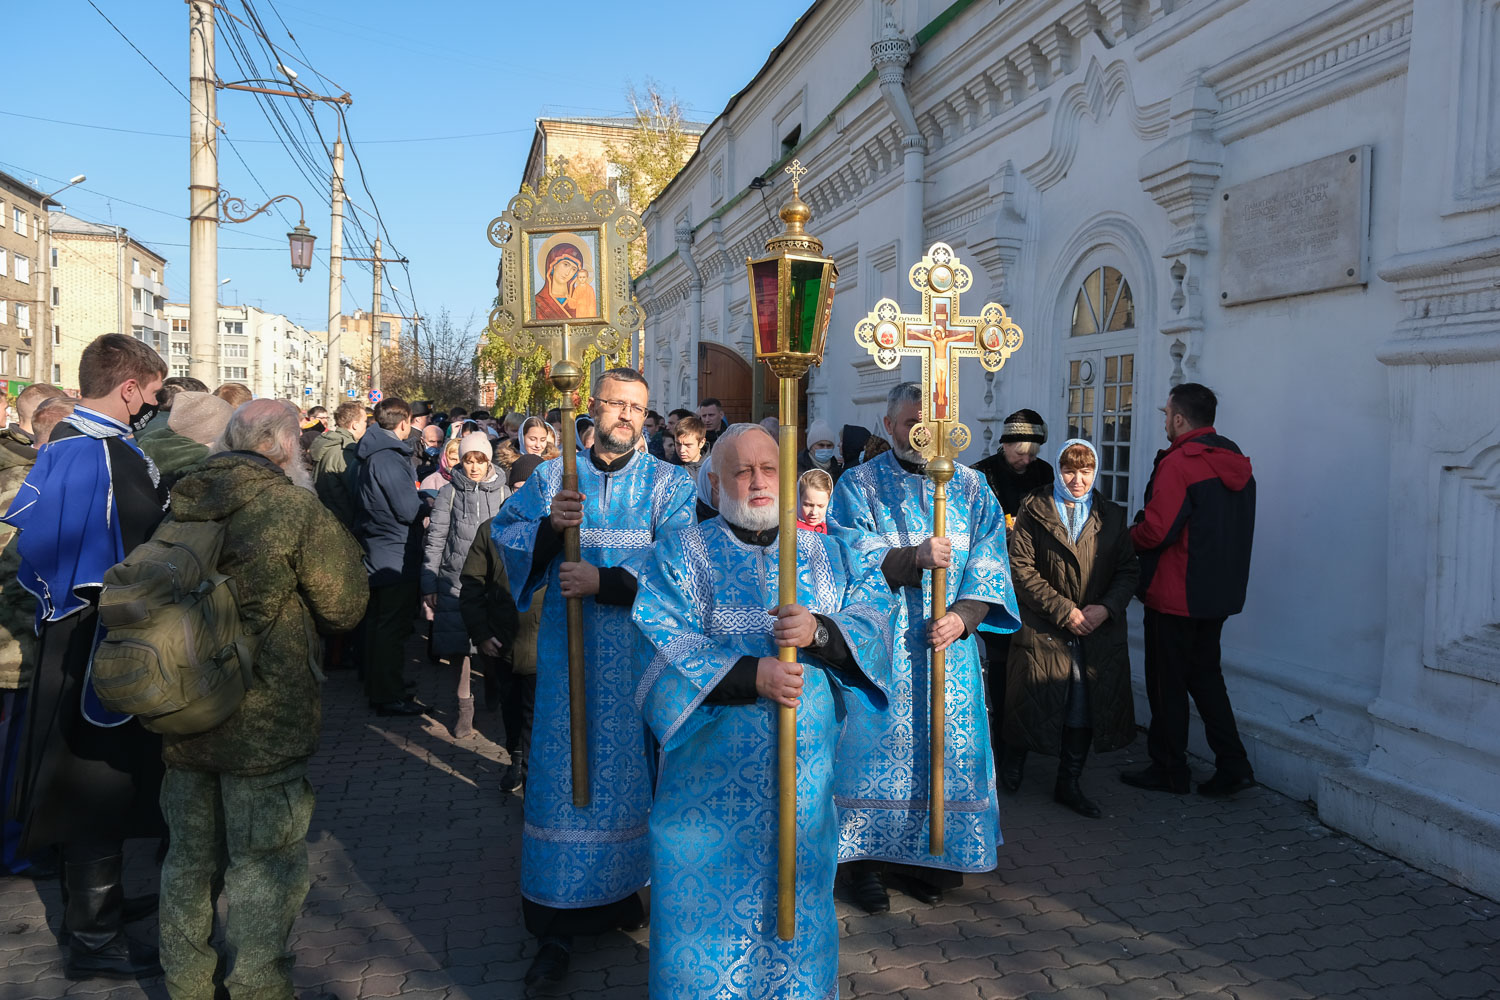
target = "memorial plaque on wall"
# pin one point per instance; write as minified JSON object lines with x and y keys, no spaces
{"x":1300,"y":230}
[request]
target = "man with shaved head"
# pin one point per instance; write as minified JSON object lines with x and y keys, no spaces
{"x":236,"y":798}
{"x":710,"y":687}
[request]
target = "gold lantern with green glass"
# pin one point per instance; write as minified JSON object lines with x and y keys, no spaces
{"x":791,"y":298}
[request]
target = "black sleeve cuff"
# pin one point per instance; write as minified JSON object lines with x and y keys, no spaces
{"x":548,"y":547}
{"x":836,"y":653}
{"x":901,"y":569}
{"x":738,"y":686}
{"x":617,"y":586}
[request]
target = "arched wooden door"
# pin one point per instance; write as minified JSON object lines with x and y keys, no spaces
{"x":724,"y":375}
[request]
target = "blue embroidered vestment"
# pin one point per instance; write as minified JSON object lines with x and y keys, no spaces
{"x":713,"y":828}
{"x":883,"y":772}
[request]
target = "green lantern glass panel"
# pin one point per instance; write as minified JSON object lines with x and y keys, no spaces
{"x":763,"y":273}
{"x":807,"y":287}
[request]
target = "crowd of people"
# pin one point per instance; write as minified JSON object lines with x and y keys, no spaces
{"x":343,"y":532}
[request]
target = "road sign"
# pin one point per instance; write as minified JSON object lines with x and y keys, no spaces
{"x":307,"y":392}
{"x":375,"y":396}
{"x":350,"y":393}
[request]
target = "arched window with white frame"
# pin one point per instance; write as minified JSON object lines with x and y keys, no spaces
{"x":1099,"y":366}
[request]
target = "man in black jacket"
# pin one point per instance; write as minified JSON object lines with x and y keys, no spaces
{"x":389,"y":525}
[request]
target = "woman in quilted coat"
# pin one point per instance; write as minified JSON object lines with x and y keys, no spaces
{"x":1068,"y":676}
{"x":472,"y":496}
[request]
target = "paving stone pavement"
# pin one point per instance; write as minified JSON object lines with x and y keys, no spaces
{"x":414,"y":859}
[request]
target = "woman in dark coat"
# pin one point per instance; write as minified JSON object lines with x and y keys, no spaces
{"x":1068,"y":675}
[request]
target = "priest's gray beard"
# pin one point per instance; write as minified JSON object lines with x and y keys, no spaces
{"x":740,"y":514}
{"x":907,"y":453}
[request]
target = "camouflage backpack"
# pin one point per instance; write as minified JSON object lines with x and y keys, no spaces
{"x":175,"y":653}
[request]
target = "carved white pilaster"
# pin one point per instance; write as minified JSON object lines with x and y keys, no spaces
{"x":1180,"y":175}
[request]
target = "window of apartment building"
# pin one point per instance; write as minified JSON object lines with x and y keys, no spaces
{"x":36,"y":227}
{"x":155,"y":276}
{"x":4,"y":267}
{"x":56,"y":295}
{"x":2,"y":213}
{"x":236,"y":373}
{"x":4,"y":361}
{"x":56,"y":374}
{"x":236,"y":329}
{"x":178,"y":371}
{"x":3,"y":312}
{"x":54,"y":256}
{"x":23,"y":316}
{"x":179,"y":326}
{"x":22,"y":268}
{"x":180,"y":348}
{"x":235,"y":350}
{"x":385,"y":333}
{"x":135,"y":265}
{"x":18,"y":216}
{"x":135,"y":298}
{"x":56,"y":336}
{"x":23,"y":364}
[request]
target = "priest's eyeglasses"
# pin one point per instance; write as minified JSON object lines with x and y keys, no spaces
{"x":632,"y":409}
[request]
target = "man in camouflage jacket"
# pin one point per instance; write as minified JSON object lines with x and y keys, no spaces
{"x":237,"y":798}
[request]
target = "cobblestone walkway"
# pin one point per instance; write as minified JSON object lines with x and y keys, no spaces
{"x":414,"y":857}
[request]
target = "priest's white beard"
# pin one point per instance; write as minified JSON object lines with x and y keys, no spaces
{"x":740,"y":514}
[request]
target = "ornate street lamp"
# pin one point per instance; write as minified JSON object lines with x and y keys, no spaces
{"x":300,"y":239}
{"x":791,"y":297}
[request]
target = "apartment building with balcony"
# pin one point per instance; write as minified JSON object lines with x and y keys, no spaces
{"x":266,"y":351}
{"x":103,"y":280}
{"x":26,"y":318}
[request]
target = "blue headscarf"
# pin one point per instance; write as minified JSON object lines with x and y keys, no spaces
{"x":1074,"y":511}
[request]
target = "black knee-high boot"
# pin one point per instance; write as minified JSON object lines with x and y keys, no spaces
{"x":1075,"y":751}
{"x":1012,"y":768}
{"x":94,"y":917}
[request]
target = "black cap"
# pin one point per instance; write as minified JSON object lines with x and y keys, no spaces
{"x":521,"y":470}
{"x":421,"y":408}
{"x":1024,"y":425}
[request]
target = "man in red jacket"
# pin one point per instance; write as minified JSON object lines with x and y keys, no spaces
{"x":1194,"y":540}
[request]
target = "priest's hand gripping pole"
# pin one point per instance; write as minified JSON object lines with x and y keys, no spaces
{"x":590,"y":234}
{"x":566,"y":377}
{"x":940,"y":336}
{"x":791,"y":298}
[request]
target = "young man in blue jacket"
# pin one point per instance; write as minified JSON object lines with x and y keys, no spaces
{"x":389,"y":525}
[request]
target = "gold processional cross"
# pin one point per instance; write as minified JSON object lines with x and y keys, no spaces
{"x":940,"y":335}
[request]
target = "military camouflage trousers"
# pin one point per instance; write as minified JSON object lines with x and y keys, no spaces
{"x":248,"y":835}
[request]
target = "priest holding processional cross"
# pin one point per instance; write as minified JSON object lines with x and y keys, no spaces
{"x":915,"y":784}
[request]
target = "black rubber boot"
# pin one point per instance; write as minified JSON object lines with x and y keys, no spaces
{"x":93,"y":918}
{"x":1012,"y":768}
{"x":1075,"y":751}
{"x":868,"y":884}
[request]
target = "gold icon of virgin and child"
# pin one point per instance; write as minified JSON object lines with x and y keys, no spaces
{"x":562,"y":276}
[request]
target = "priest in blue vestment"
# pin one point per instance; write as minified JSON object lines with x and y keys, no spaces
{"x":883,"y":756}
{"x":581,"y":868}
{"x":709,"y":688}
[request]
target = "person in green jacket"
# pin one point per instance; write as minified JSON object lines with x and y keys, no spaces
{"x":236,"y":798}
{"x":335,"y":464}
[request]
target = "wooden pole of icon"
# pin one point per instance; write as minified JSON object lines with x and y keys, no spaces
{"x":566,"y":376}
{"x":598,"y":229}
{"x":940,"y":335}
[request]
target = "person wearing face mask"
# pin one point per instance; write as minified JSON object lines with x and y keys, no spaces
{"x":432,"y":451}
{"x":1069,"y":669}
{"x":821,"y":452}
{"x":88,"y":779}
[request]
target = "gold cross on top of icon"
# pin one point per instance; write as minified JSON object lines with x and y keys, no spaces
{"x":796,"y":169}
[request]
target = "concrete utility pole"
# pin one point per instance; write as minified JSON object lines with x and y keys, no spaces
{"x":203,"y":197}
{"x":375,"y":325}
{"x":334,"y":369}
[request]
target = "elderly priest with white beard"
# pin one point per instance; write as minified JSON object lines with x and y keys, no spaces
{"x":709,"y":688}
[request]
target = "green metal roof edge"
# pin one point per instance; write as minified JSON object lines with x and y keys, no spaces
{"x":928,"y":31}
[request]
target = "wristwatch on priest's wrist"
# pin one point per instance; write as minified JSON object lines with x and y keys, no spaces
{"x":820,"y":637}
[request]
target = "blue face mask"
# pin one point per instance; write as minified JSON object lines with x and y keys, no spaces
{"x":822,"y":455}
{"x":432,"y":452}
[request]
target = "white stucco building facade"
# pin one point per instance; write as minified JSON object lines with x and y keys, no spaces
{"x":1067,"y":148}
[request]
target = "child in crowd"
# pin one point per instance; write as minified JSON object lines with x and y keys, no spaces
{"x":690,"y":439}
{"x":813,"y":490}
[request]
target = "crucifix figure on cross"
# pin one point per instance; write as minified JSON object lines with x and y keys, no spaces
{"x":940,"y":335}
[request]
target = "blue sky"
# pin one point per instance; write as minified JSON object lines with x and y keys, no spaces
{"x":483,"y":71}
